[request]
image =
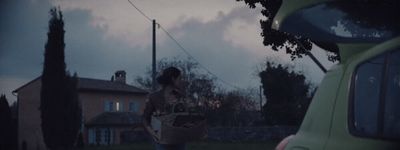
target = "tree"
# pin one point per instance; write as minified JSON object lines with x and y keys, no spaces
{"x":287,"y":94}
{"x":59,"y":105}
{"x":14,"y":126}
{"x":367,"y":13}
{"x":80,"y":143}
{"x":6,"y":128}
{"x":232,"y":108}
{"x":295,"y":45}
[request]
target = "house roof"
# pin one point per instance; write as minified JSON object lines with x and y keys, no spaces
{"x":87,"y":84}
{"x":105,"y":85}
{"x":115,"y":119}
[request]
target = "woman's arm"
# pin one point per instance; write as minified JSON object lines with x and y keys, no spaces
{"x":148,"y":111}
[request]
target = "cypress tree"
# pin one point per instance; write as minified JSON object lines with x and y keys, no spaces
{"x":6,"y":124}
{"x":59,"y":105}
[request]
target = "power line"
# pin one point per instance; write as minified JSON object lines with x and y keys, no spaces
{"x":140,"y":11}
{"x":182,"y":48}
{"x":187,"y":53}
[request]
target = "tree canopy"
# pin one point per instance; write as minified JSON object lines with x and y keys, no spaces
{"x":367,"y":13}
{"x":278,"y":39}
{"x":59,"y":105}
{"x":287,"y":93}
{"x":6,"y":125}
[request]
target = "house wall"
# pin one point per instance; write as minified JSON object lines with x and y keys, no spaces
{"x":93,"y":104}
{"x":29,"y":129}
{"x":115,"y":135}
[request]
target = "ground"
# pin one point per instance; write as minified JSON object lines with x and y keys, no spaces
{"x":269,"y":145}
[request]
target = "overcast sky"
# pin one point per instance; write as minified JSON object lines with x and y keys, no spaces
{"x":103,"y":36}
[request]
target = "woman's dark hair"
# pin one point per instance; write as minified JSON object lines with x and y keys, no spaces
{"x":167,"y":76}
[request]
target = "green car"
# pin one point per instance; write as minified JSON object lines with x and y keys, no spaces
{"x":357,"y":105}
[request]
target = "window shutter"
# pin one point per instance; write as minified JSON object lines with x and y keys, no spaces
{"x":131,"y":106}
{"x":136,"y":106}
{"x":111,"y":106}
{"x":121,"y":106}
{"x":92,"y":136}
{"x":106,"y":107}
{"x":112,"y":136}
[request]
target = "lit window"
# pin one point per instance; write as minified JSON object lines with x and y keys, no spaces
{"x":117,"y":106}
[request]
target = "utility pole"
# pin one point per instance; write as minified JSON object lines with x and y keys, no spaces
{"x":261,"y":99}
{"x":316,"y":61}
{"x":323,"y":69}
{"x":154,"y":57}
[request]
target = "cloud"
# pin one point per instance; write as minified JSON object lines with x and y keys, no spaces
{"x":104,"y":36}
{"x":22,"y":37}
{"x":23,"y":33}
{"x":207,"y":42}
{"x":120,"y":20}
{"x":205,"y":39}
{"x":227,"y":30}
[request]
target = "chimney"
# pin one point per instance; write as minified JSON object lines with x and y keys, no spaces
{"x":120,"y":76}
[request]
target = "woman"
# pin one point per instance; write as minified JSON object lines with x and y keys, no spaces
{"x":170,"y":80}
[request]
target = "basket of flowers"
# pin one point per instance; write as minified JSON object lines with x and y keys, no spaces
{"x":181,"y":125}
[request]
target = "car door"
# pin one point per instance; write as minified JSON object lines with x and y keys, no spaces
{"x":367,"y":111}
{"x":314,"y":130}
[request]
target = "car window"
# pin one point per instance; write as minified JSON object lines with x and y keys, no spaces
{"x":392,"y":97}
{"x":337,"y":23}
{"x":376,"y":97}
{"x":366,"y":95}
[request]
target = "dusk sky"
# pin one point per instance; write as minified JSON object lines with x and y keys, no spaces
{"x":103,"y":36}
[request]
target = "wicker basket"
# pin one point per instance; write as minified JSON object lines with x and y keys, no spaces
{"x":180,"y":127}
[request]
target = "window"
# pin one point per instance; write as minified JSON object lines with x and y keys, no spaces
{"x":107,"y":136}
{"x":112,"y":134}
{"x":376,"y":95}
{"x":334,"y":24}
{"x":134,"y":106}
{"x":391,"y":124}
{"x":92,"y":136}
{"x":109,"y":106}
{"x":119,"y":106}
{"x":366,"y":96}
{"x":98,"y":136}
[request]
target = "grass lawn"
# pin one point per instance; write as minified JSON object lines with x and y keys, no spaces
{"x":269,"y":145}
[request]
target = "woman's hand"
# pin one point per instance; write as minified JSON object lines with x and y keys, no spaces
{"x":152,"y":132}
{"x":205,"y":136}
{"x":154,"y":135}
{"x":282,"y":145}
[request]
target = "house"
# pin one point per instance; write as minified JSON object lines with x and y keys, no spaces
{"x":109,"y":108}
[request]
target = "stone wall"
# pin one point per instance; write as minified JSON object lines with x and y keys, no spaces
{"x":228,"y":134}
{"x":234,"y":134}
